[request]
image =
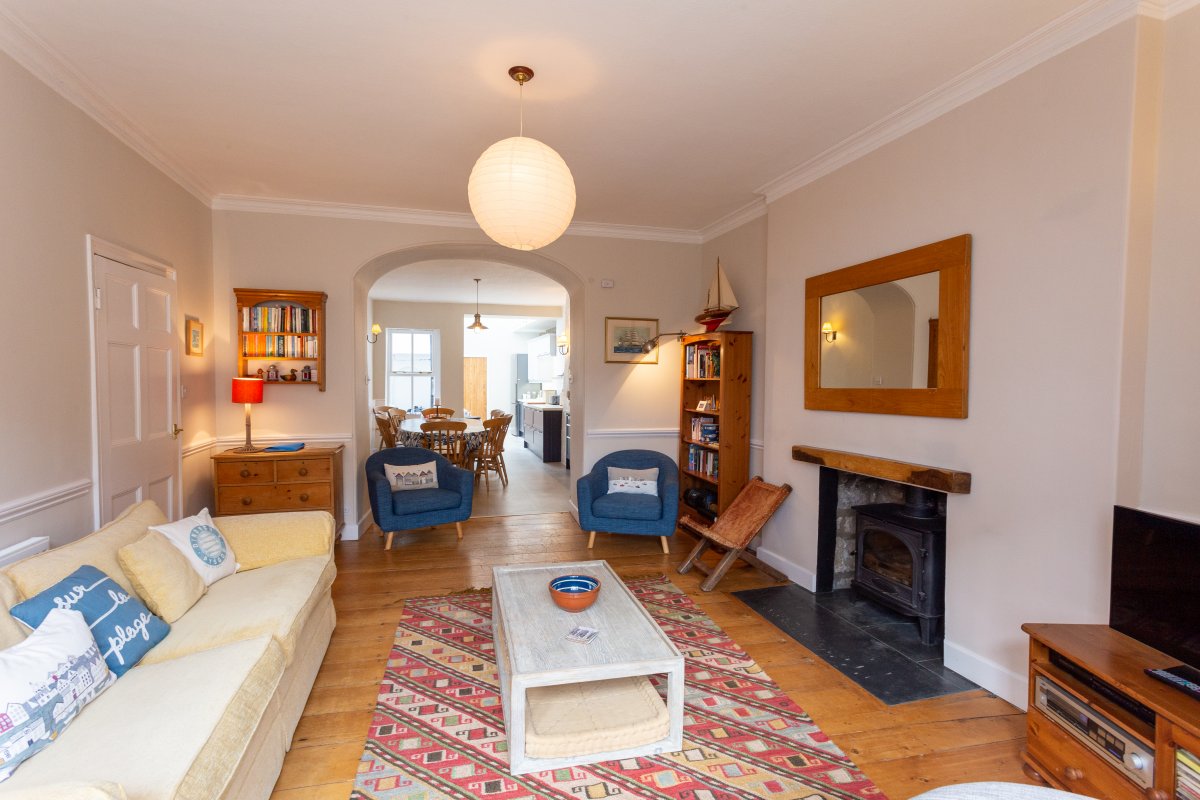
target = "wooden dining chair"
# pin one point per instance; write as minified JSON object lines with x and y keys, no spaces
{"x":734,"y":530}
{"x":386,"y":426}
{"x":496,"y":412}
{"x":437,"y":412}
{"x":489,"y":457}
{"x":448,"y":438}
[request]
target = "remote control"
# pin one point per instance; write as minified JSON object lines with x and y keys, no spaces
{"x":1179,"y":682}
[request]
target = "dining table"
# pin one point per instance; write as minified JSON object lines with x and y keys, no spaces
{"x":409,"y":433}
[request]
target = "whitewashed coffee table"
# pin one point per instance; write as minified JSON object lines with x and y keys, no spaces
{"x":532,"y":651}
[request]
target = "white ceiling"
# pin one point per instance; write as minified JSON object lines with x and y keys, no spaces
{"x":447,"y":281}
{"x":670,"y":114}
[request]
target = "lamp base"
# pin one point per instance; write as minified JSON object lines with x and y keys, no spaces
{"x":247,"y":449}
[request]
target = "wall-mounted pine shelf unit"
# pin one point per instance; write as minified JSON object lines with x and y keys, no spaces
{"x":281,"y":328}
{"x":714,"y":418}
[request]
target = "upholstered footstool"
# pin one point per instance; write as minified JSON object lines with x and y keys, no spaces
{"x":577,"y":719}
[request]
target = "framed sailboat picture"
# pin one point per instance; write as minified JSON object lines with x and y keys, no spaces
{"x":624,"y":338}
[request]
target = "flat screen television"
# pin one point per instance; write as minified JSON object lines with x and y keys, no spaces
{"x":1156,"y":582}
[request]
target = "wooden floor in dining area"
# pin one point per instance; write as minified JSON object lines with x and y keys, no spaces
{"x":905,"y":749}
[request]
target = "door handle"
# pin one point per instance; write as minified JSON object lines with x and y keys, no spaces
{"x":175,"y":431}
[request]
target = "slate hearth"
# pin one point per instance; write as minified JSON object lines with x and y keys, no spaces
{"x":876,"y":648}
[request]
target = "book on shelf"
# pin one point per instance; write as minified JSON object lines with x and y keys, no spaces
{"x":702,"y":461}
{"x":702,"y":361}
{"x":280,"y":319}
{"x":704,"y":429}
{"x":274,"y":346}
{"x":1187,"y":775}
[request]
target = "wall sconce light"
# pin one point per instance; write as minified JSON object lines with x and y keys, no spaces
{"x":828,"y":332}
{"x":563,"y":346}
{"x":373,"y":336}
{"x":649,"y":346}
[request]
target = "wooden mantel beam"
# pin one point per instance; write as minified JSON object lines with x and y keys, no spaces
{"x":939,"y":478}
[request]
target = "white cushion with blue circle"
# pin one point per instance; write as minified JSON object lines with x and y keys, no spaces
{"x":121,"y":624}
{"x":205,"y":549}
{"x":38,"y":697}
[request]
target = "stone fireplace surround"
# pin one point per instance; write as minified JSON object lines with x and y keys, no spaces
{"x":849,"y":479}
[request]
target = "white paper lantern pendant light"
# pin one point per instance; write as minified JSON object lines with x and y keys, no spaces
{"x":521,"y":191}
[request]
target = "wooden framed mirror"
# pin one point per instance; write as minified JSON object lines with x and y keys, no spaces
{"x":890,"y":336}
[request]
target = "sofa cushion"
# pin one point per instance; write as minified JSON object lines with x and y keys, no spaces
{"x":264,"y":539}
{"x":123,"y":627}
{"x":280,"y":597}
{"x":411,"y":477}
{"x":45,"y":681}
{"x":199,"y":541}
{"x":161,"y":575}
{"x":171,"y":730}
{"x":98,"y":549}
{"x":69,"y":790}
{"x":420,"y":501}
{"x":11,"y":631}
{"x":627,"y":506}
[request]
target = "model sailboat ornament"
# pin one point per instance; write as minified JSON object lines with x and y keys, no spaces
{"x":721,"y":302}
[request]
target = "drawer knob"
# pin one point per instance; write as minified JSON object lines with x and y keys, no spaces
{"x":1072,"y":773}
{"x":304,"y":470}
{"x":245,"y":473}
{"x":246,"y":501}
{"x":1157,"y":794}
{"x":304,"y":497}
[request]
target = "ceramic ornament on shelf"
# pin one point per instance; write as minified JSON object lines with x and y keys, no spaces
{"x":720,"y":304}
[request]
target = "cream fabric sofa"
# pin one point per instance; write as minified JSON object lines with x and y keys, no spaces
{"x":208,"y":713}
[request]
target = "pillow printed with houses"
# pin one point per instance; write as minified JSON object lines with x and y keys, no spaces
{"x":205,"y":549}
{"x":633,"y":481}
{"x":44,"y":681}
{"x":122,"y":626}
{"x":406,"y":477}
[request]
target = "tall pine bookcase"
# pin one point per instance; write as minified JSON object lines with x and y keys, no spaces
{"x":714,"y":441}
{"x":283,"y":328}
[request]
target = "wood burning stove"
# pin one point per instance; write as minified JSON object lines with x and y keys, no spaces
{"x":900,"y":558}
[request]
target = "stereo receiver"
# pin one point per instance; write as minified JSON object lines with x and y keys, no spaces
{"x":1099,"y":733}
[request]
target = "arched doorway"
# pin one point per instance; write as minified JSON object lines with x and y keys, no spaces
{"x":377,"y":267}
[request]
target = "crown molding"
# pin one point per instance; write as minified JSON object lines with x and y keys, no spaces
{"x":1043,"y":44}
{"x":735,"y":219}
{"x":1169,"y":8}
{"x":34,"y":54}
{"x":443,"y":219}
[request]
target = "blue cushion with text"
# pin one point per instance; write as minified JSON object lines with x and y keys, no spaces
{"x":122,"y":626}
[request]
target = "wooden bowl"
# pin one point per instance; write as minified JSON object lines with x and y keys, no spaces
{"x":574,"y":592}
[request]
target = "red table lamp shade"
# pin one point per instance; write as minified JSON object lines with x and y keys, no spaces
{"x":247,"y":390}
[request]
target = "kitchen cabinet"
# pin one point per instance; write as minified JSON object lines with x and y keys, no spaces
{"x":543,"y":431}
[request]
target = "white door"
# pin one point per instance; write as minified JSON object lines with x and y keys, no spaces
{"x":137,"y":379}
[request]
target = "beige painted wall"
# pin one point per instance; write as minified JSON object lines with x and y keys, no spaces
{"x":627,"y":406}
{"x":64,"y":178}
{"x":1037,"y":171}
{"x":1171,"y":455}
{"x":448,"y":319}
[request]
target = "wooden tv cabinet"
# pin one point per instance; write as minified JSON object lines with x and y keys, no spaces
{"x":1056,"y":757}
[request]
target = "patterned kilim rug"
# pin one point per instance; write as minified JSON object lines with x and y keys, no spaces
{"x":438,"y":730}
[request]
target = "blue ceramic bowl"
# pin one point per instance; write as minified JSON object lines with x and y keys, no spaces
{"x":574,"y":592}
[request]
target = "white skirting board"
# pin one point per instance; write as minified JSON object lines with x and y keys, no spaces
{"x":801,"y":576}
{"x":997,"y":679}
{"x":21,"y":550}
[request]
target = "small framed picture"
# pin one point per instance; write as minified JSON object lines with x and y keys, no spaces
{"x":703,"y":405}
{"x":195,"y":337}
{"x":624,"y":338}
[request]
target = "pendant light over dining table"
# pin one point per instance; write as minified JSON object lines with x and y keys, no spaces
{"x":520,"y":190}
{"x":477,"y":325}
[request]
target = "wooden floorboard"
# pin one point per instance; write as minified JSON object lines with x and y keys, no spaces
{"x":905,"y":749}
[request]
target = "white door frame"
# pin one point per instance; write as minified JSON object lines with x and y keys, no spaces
{"x":115,"y":252}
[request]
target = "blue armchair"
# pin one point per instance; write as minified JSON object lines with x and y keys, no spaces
{"x":640,"y":514}
{"x":418,"y":508}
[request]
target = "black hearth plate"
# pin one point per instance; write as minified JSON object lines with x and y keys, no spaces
{"x":879,"y":650}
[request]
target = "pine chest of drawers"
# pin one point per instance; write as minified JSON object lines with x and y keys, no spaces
{"x":252,"y":483}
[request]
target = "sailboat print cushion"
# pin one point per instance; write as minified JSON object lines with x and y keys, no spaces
{"x":633,"y":481}
{"x":205,"y":549}
{"x":44,"y":681}
{"x":121,"y":624}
